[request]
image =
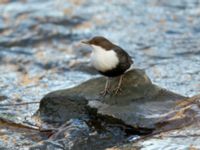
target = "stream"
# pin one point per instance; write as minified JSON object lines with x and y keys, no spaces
{"x":40,"y":50}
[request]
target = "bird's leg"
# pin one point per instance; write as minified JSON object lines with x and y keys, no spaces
{"x":106,"y":89}
{"x":118,"y":88}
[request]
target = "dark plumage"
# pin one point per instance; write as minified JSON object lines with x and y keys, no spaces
{"x":124,"y":64}
{"x":109,"y":59}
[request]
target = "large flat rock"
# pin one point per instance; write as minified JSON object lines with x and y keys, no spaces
{"x":141,"y":104}
{"x":182,"y":131}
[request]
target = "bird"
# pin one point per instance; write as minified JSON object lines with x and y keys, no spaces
{"x":109,"y":60}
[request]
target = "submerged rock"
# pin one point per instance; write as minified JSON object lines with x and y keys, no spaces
{"x":70,"y":135}
{"x":141,"y":104}
{"x":75,"y":134}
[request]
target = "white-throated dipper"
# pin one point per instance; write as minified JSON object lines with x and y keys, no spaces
{"x":109,"y":59}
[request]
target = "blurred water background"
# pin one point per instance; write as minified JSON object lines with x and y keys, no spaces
{"x":40,"y":49}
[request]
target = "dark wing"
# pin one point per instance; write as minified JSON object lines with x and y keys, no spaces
{"x":125,"y":59}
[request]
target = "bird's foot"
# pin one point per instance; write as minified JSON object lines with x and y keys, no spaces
{"x":104,"y":92}
{"x":117,"y":91}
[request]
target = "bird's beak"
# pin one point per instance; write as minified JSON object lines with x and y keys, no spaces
{"x":85,"y":42}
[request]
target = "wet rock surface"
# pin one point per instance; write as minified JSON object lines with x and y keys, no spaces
{"x":40,"y":49}
{"x":141,"y":103}
{"x":142,"y":107}
{"x":77,"y":134}
{"x":183,"y":135}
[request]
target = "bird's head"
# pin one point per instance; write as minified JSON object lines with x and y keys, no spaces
{"x":100,"y":42}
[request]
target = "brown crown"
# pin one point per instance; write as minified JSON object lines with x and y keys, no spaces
{"x":100,"y":41}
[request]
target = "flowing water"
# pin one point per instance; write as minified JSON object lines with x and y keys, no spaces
{"x":40,"y":49}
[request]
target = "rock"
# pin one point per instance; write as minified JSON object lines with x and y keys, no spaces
{"x":2,"y":97}
{"x":25,"y":132}
{"x":75,"y":134}
{"x":140,"y":105}
{"x":183,"y":131}
{"x":70,"y":135}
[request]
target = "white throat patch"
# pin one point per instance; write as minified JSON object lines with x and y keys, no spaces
{"x":103,"y":60}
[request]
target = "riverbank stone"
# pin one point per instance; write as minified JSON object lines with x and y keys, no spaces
{"x":141,"y":104}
